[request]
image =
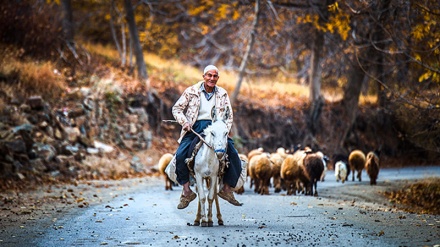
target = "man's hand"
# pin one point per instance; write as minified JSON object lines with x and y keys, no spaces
{"x":186,"y":127}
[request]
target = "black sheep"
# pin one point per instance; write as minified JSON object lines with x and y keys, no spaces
{"x":314,"y":168}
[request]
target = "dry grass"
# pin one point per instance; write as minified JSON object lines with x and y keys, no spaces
{"x":42,"y":78}
{"x":420,"y":197}
{"x":24,"y":78}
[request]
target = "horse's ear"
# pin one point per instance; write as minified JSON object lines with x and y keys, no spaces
{"x":227,"y":112}
{"x":213,"y":115}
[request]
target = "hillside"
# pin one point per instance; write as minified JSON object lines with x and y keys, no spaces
{"x":103,"y":125}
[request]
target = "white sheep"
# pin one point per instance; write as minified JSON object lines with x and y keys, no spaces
{"x":341,"y":171}
{"x":162,"y":164}
{"x":324,"y":162}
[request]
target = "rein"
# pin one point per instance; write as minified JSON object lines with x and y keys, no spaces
{"x":201,"y":138}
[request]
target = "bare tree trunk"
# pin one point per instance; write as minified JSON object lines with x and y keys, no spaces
{"x":379,"y":38}
{"x":246,"y":54}
{"x":243,"y":64}
{"x":316,"y":101}
{"x":315,"y":68}
{"x":121,"y":50}
{"x":68,"y":32}
{"x":124,"y":44}
{"x":349,"y":105}
{"x":67,"y":22}
{"x":140,"y":63}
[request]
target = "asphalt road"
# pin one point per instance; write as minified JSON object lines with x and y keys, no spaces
{"x":148,"y":216}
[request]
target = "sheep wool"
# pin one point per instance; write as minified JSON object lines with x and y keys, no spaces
{"x":314,"y":167}
{"x":162,"y":165}
{"x":372,"y":167}
{"x":324,"y":161}
{"x":276,"y":161}
{"x":251,"y":154}
{"x":292,"y":171}
{"x":260,"y":171}
{"x":356,"y":161}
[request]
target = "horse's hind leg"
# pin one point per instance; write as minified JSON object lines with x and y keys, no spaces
{"x":198,"y":215}
{"x":219,"y":214}
{"x":210,"y":223}
{"x":217,"y":206}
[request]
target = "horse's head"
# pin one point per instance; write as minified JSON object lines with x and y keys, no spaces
{"x":217,"y":133}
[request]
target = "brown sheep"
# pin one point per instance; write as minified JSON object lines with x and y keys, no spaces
{"x":162,"y":164}
{"x":372,"y":166}
{"x":292,"y":171}
{"x":260,"y":171}
{"x":276,"y":160}
{"x":356,"y":161}
{"x":254,"y":152}
{"x":241,"y":189}
{"x":314,"y":167}
{"x":251,"y":154}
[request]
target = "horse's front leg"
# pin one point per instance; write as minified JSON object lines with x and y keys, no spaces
{"x":217,"y":206}
{"x":198,"y":215}
{"x":212,"y":193}
{"x":201,"y":212}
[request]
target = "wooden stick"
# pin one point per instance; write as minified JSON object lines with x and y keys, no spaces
{"x":197,"y":134}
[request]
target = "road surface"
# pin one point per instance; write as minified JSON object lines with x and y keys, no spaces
{"x":350,"y":214}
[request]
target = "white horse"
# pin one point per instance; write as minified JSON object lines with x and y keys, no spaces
{"x":207,"y":165}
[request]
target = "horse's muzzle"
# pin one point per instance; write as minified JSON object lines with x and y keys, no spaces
{"x":220,"y":153}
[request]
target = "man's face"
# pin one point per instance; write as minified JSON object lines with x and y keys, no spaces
{"x":211,"y":78}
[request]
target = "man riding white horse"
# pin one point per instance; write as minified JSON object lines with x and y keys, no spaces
{"x":193,"y":111}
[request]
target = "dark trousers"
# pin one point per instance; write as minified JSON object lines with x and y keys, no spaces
{"x":232,"y":173}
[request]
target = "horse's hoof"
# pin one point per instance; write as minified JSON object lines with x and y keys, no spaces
{"x":220,"y":223}
{"x":196,"y":223}
{"x":210,"y":224}
{"x":204,"y":224}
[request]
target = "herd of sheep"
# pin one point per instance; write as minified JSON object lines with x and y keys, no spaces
{"x":298,"y":171}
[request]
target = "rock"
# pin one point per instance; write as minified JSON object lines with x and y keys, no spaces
{"x":103,"y":147}
{"x":136,"y":164}
{"x":77,"y":112}
{"x":37,"y":165}
{"x":16,"y":146}
{"x":35,"y":102}
{"x":44,"y":151}
{"x":89,"y":103}
{"x":58,"y":134}
{"x":132,"y":128}
{"x":84,"y":140}
{"x":68,"y":149}
{"x":25,"y":127}
{"x":73,"y":134}
{"x":92,"y":150}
